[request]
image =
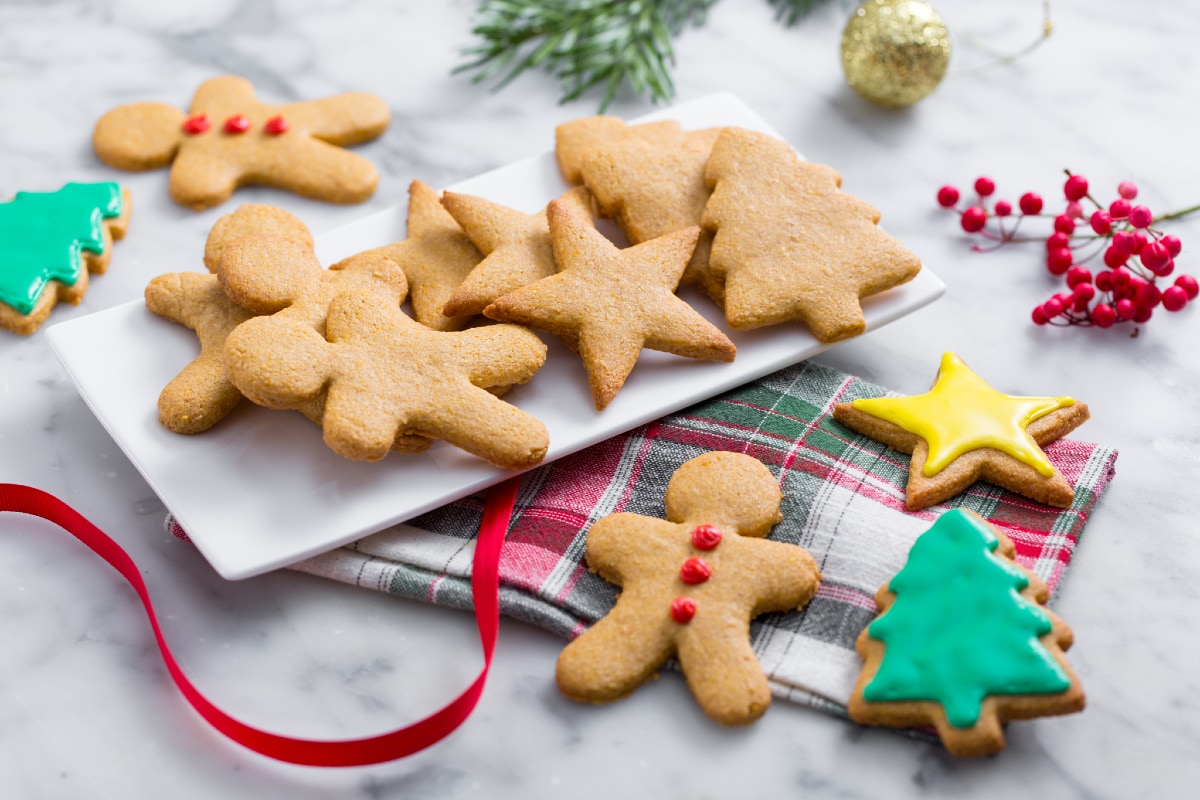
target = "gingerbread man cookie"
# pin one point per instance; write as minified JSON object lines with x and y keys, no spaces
{"x":200,"y":396}
{"x":50,"y":242}
{"x":437,"y":256}
{"x":789,"y":245}
{"x":608,"y":304}
{"x":690,"y":585}
{"x":963,"y":642}
{"x":383,"y":377}
{"x":229,"y":138}
{"x":963,"y":430}
{"x":516,"y":248}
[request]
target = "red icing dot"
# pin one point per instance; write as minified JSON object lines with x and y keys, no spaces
{"x":276,"y":126}
{"x":683,"y":609}
{"x":706,"y":537}
{"x":196,"y":124}
{"x":695,"y":570}
{"x":237,"y":124}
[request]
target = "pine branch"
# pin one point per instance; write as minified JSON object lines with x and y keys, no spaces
{"x":791,"y":12}
{"x":584,"y":43}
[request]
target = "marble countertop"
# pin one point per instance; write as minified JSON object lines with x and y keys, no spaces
{"x":86,"y":706}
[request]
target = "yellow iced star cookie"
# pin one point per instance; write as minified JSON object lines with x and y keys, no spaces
{"x":962,"y":430}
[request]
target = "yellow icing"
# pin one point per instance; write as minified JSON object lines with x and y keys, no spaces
{"x":962,"y":413}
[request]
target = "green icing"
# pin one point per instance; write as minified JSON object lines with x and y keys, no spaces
{"x":958,"y":629}
{"x":43,"y":234}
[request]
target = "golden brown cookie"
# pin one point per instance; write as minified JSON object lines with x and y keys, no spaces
{"x":200,"y":396}
{"x":516,"y":248}
{"x":50,"y":242}
{"x":963,"y":431}
{"x":653,"y":187}
{"x":690,"y":585}
{"x":789,"y":244}
{"x":229,"y":138}
{"x":573,"y":139}
{"x":608,"y":304}
{"x":963,"y":642}
{"x":383,"y":377}
{"x":437,"y":256}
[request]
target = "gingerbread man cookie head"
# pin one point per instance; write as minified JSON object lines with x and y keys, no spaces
{"x":730,"y":491}
{"x":229,"y":138}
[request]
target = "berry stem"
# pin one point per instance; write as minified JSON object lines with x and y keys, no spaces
{"x":1183,"y":212}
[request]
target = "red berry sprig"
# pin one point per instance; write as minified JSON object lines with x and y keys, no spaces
{"x":1135,"y":253}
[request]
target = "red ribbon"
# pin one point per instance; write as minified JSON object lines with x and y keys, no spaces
{"x":485,"y":591}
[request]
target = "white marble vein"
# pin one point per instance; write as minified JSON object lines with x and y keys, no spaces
{"x":86,"y":708}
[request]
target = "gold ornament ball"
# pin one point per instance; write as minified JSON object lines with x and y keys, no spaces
{"x":895,"y":52}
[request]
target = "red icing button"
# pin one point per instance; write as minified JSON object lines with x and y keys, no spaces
{"x":695,"y":570}
{"x":237,"y":124}
{"x":683,"y":609}
{"x":276,"y":126}
{"x":706,"y":537}
{"x":196,"y":124}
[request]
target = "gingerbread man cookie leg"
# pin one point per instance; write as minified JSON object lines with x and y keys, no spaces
{"x":690,"y":587}
{"x":230,"y":138}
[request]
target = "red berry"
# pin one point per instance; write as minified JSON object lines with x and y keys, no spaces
{"x":1143,"y":314}
{"x":1124,"y":243}
{"x":1039,"y":316}
{"x":984,"y":186}
{"x":1140,"y":240}
{"x":1127,"y":189}
{"x":947,"y":196}
{"x":1140,"y":217}
{"x":1189,"y":285}
{"x":1125,"y":308}
{"x":1121,"y":279}
{"x":1031,"y":203}
{"x":1064,"y":224}
{"x":1059,"y":261}
{"x":1172,"y":243}
{"x":1166,"y":269}
{"x":973,"y":219}
{"x":1103,"y":315}
{"x":1077,"y":275}
{"x":1101,"y":222}
{"x":1002,"y":208}
{"x":1147,"y":295}
{"x":1057,"y":240}
{"x":1104,"y":281}
{"x":1084,"y":292}
{"x":1113,"y":257}
{"x":1076,"y":187}
{"x":1052,"y":307}
{"x":1119,"y":209}
{"x":1074,"y":210}
{"x":1175,"y":297}
{"x":1155,"y":256}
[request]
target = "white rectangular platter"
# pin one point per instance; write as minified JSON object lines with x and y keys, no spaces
{"x":261,"y":490}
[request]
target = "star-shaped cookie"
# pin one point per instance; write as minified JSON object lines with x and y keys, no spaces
{"x":789,"y":244}
{"x":230,"y":138}
{"x":515,"y":245}
{"x":608,"y":303}
{"x":963,"y":430}
{"x":437,"y":256}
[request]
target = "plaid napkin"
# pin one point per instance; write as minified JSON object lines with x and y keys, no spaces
{"x":843,"y":500}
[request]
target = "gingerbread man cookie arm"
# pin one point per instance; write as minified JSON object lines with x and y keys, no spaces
{"x":139,"y":136}
{"x":342,"y":120}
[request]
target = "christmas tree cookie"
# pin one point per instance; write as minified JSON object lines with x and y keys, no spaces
{"x":690,"y":585}
{"x":963,"y":431}
{"x":229,"y":138}
{"x":49,"y":242}
{"x":789,"y":244}
{"x":963,"y":642}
